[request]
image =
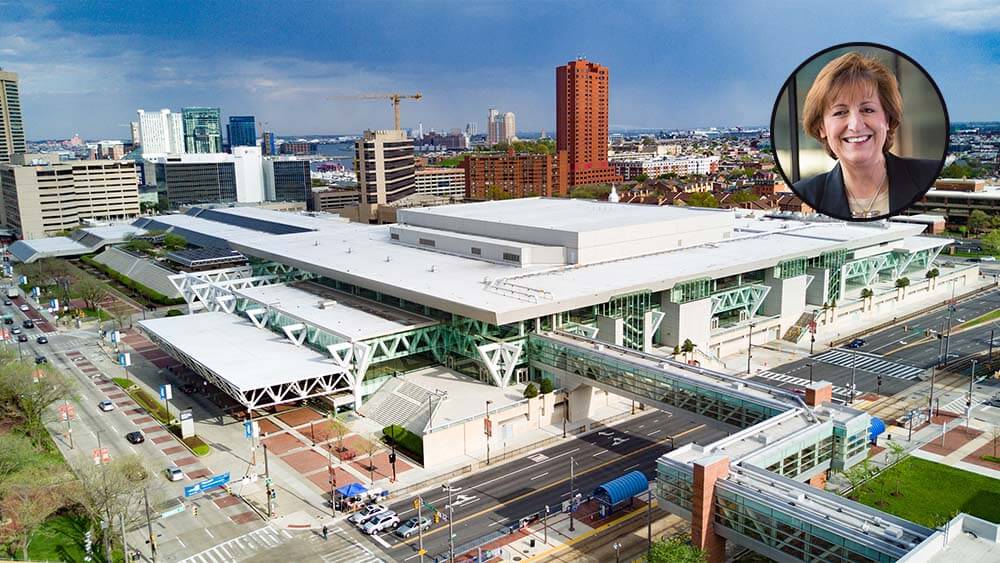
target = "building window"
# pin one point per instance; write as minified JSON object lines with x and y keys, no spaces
{"x":510,"y":257}
{"x":394,"y":236}
{"x":426,"y":242}
{"x":477,"y":251}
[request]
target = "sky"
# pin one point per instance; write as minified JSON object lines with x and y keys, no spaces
{"x":85,"y":67}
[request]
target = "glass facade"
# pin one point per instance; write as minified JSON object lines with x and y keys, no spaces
{"x":241,"y":131}
{"x":196,"y":182}
{"x":292,"y":181}
{"x":202,"y":130}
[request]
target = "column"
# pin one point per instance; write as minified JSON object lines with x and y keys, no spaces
{"x":707,"y":471}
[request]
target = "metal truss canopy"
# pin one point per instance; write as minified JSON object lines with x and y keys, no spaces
{"x":749,"y":298}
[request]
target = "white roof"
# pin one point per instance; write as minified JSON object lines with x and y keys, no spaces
{"x":235,"y":350}
{"x":341,"y":314}
{"x":916,"y":244}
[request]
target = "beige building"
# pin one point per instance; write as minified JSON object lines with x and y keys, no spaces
{"x":11,"y":124}
{"x":443,"y":182}
{"x":384,"y":164}
{"x":42,"y":196}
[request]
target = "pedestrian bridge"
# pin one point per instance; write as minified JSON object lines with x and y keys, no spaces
{"x":755,"y":487}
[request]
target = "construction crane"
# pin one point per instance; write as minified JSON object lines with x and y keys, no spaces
{"x":394,"y":98}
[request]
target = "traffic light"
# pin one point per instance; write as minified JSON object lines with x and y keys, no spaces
{"x":906,"y":328}
{"x":274,"y":493}
{"x":194,"y":510}
{"x":416,"y":504}
{"x":392,"y":458}
{"x":437,"y":517}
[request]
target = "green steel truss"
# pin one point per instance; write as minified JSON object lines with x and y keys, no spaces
{"x":790,"y":268}
{"x":748,"y":297}
{"x":868,"y":269}
{"x":402,"y":344}
{"x":632,"y":309}
{"x":691,"y":290}
{"x":283,"y":272}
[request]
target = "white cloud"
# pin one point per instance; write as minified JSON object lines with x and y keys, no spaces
{"x":960,"y":15}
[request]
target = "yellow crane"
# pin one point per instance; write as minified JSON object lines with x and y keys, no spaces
{"x":393,"y":98}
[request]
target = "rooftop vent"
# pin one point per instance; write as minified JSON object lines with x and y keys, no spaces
{"x":327,"y":304}
{"x":763,"y":438}
{"x":894,"y":533}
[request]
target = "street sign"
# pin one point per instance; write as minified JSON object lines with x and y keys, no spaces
{"x":251,"y":429}
{"x":488,"y":427}
{"x":207,"y":484}
{"x":124,"y":359}
{"x":812,"y":327}
{"x":66,"y":411}
{"x":166,"y":392}
{"x":100,"y":455}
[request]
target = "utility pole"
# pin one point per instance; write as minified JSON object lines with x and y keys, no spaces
{"x":488,"y":431}
{"x":951,"y":309}
{"x":69,"y":427}
{"x":149,"y":527}
{"x":572,"y":489}
{"x":649,"y":522}
{"x":989,"y":359}
{"x":749,"y":347}
{"x":810,"y":364}
{"x":545,"y":524}
{"x":451,"y":518}
{"x":930,"y":399}
{"x":267,"y":481}
{"x":121,"y":522}
{"x":854,"y":375}
{"x":420,"y":528}
{"x":968,"y":402}
{"x":331,"y":478}
{"x":565,"y":412}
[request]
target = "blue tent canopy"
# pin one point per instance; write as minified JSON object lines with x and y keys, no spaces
{"x":877,"y":427}
{"x":352,"y":490}
{"x":622,"y":489}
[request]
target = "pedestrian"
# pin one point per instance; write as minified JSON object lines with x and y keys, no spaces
{"x":326,"y":532}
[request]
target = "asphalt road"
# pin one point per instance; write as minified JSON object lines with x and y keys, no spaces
{"x":484,"y":502}
{"x":892,"y":349}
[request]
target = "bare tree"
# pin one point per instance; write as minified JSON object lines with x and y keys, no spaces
{"x":995,"y":437}
{"x":897,"y":453}
{"x":370,"y":447}
{"x":26,"y":506}
{"x":31,"y":390}
{"x":91,"y":291}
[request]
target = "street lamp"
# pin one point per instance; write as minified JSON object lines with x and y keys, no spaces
{"x":854,"y":374}
{"x":618,"y":551}
{"x":451,"y":517}
{"x":487,"y":430}
{"x":810,"y":364}
{"x":749,"y":347}
{"x":572,"y":489}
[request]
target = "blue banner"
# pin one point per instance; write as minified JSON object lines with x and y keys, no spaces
{"x":210,"y":483}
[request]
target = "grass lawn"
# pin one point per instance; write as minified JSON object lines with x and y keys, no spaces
{"x":931,"y":493}
{"x":992,"y":315}
{"x":61,"y":539}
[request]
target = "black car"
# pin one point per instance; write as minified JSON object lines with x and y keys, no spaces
{"x":28,"y":323}
{"x":42,"y":339}
{"x":135,"y":437}
{"x":41,"y":360}
{"x":22,"y":337}
{"x":8,"y":321}
{"x":857,"y":343}
{"x":8,"y":302}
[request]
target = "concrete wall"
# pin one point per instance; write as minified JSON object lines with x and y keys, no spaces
{"x":817,"y":293}
{"x":787,"y":298}
{"x":685,"y":320}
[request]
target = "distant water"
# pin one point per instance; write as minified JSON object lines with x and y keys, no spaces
{"x":339,"y":150}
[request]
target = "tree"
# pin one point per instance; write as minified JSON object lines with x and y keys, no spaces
{"x":702,"y":199}
{"x":897,"y":453}
{"x":370,"y":447}
{"x":932,"y":273}
{"x":991,"y":242}
{"x":26,"y":506}
{"x":530,"y":391}
{"x":688,"y":346}
{"x":677,"y":549}
{"x":956,"y":169}
{"x":995,"y":437}
{"x":641,"y":177}
{"x":979,"y":221}
{"x":139,"y":245}
{"x":866,"y":293}
{"x":545,"y":386}
{"x":903,"y":282}
{"x":31,"y":390}
{"x":677,"y":350}
{"x":17,"y":455}
{"x":743,"y":196}
{"x":174,"y":242}
{"x":91,"y":291}
{"x":856,"y":476}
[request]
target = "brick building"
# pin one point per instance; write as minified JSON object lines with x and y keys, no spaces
{"x":489,"y":175}
{"x":582,"y":91}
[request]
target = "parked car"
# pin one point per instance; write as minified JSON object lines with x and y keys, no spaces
{"x":994,"y":402}
{"x":41,"y":360}
{"x":381,"y":522}
{"x":360,"y":517}
{"x":28,"y":323}
{"x":411,"y":526}
{"x":8,"y":302}
{"x":22,"y":337}
{"x":988,"y":259}
{"x":8,"y":320}
{"x":15,"y":330}
{"x":857,"y":343}
{"x":135,"y":437}
{"x":106,"y":406}
{"x":42,"y":339}
{"x":174,"y":473}
{"x":24,"y":307}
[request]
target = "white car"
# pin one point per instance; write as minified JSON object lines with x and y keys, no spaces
{"x":24,"y":307}
{"x":106,"y":406}
{"x":360,"y":517}
{"x":381,"y":522}
{"x":174,"y":473}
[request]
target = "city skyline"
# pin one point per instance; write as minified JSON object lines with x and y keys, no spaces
{"x":672,"y":66}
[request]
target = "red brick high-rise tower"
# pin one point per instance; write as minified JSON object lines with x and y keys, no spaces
{"x":582,"y":90}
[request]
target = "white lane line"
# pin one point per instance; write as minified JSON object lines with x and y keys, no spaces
{"x":180,"y":542}
{"x":631,"y":467}
{"x":412,"y":556}
{"x":210,"y":534}
{"x":539,"y":476}
{"x":381,"y":541}
{"x":641,"y":426}
{"x":655,"y":432}
{"x":599,"y":453}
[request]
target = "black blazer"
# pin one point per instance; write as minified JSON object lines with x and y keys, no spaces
{"x":909,"y":178}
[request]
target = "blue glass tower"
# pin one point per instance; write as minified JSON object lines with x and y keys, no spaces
{"x":242,"y":131}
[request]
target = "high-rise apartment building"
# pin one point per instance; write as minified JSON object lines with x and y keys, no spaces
{"x":133,"y":128}
{"x":582,"y":91}
{"x":11,"y":122}
{"x":202,"y":130}
{"x":492,"y":117}
{"x":509,"y":132}
{"x":42,"y":196}
{"x":268,"y":145}
{"x":503,"y":175}
{"x":161,"y":132}
{"x":500,"y":128}
{"x":383,"y":161}
{"x":441,"y":182}
{"x":241,"y":131}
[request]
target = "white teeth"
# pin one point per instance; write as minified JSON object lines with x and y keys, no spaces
{"x":857,"y":139}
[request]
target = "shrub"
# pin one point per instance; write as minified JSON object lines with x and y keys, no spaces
{"x":175,"y":313}
{"x":932,"y":273}
{"x":902,"y":282}
{"x":677,"y":350}
{"x":688,"y":346}
{"x":405,"y":440}
{"x":866,"y":293}
{"x":992,"y":458}
{"x":135,"y":286}
{"x":546,"y":386}
{"x":530,"y":392}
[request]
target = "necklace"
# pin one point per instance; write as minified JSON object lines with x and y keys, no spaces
{"x":866,"y":212}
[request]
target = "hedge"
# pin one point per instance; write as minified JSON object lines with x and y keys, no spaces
{"x":407,"y":441}
{"x":130,"y":283}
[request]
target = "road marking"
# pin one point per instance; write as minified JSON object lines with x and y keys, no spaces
{"x":551,"y":485}
{"x":181,"y":542}
{"x":599,"y":453}
{"x":539,"y":476}
{"x":381,"y":541}
{"x":209,"y":533}
{"x":654,"y":432}
{"x":631,"y":467}
{"x":641,"y":426}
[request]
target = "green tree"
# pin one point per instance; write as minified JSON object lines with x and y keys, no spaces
{"x":139,"y":245}
{"x":979,"y":221}
{"x":702,"y":199}
{"x":991,"y":242}
{"x":856,"y":476}
{"x":677,"y":549}
{"x":546,"y":386}
{"x":866,"y":293}
{"x":897,"y":453}
{"x":677,"y":350}
{"x":591,"y":191}
{"x":932,"y":273}
{"x":957,"y":169}
{"x":174,"y":313}
{"x":641,"y":177}
{"x":174,"y":242}
{"x":91,"y":291}
{"x":903,"y":282}
{"x":530,"y":391}
{"x":744,"y":196}
{"x":688,"y":346}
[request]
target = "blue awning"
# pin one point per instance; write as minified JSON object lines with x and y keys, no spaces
{"x":352,"y":490}
{"x":622,"y":489}
{"x":877,"y":427}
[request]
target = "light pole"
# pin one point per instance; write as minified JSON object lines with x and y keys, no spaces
{"x":968,"y":402}
{"x":572,"y":489}
{"x":989,"y":359}
{"x":749,"y":347}
{"x":488,"y":431}
{"x":854,"y":375}
{"x":930,"y":399}
{"x":810,"y":364}
{"x":617,"y":547}
{"x":947,"y":338}
{"x":451,"y":535}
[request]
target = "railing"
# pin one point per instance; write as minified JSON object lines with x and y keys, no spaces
{"x":456,"y":422}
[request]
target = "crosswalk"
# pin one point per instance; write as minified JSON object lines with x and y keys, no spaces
{"x":842,"y":392}
{"x":348,"y":550}
{"x":870,"y":363}
{"x":242,"y":547}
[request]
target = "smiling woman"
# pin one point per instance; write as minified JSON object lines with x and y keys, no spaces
{"x":854,"y":113}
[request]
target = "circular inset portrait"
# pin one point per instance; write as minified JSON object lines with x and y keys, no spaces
{"x":859,"y":131}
